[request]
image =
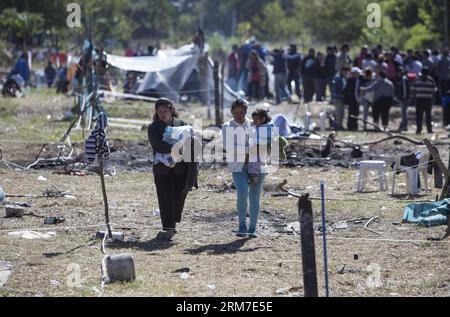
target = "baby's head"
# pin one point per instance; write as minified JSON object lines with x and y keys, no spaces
{"x":261,"y":117}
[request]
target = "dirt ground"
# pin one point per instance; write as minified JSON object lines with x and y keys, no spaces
{"x":395,"y":260}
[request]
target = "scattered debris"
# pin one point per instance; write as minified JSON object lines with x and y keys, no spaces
{"x":42,"y":178}
{"x":5,"y":272}
{"x":54,"y":254}
{"x":31,"y":235}
{"x":54,"y":220}
{"x":156,"y":213}
{"x":13,"y":211}
{"x":25,"y":205}
{"x":54,"y":192}
{"x":282,"y":291}
{"x":119,"y":236}
{"x":184,"y":276}
{"x":367,"y":224}
{"x":340,"y":225}
{"x":2,"y":195}
{"x":212,"y":287}
{"x":183,"y":270}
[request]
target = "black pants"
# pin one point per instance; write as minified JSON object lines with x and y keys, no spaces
{"x":382,"y":107}
{"x":423,"y":106}
{"x":309,"y":88}
{"x":254,"y":90}
{"x":296,"y":78}
{"x":353,"y":110}
{"x":170,"y":198}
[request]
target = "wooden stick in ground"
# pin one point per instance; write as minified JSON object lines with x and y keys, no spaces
{"x":307,"y":245}
{"x":105,"y":198}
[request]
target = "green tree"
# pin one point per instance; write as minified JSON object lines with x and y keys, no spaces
{"x":21,"y":25}
{"x":335,"y":21}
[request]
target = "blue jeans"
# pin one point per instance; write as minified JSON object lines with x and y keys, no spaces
{"x":245,"y":193}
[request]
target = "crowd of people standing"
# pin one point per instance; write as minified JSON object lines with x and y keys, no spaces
{"x":374,"y":80}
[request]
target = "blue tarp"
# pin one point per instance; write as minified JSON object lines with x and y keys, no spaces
{"x":428,"y":214}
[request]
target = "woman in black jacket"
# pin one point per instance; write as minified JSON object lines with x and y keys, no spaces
{"x":170,"y":182}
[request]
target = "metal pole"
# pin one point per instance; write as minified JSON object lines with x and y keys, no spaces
{"x":217,"y":93}
{"x":324,"y":235}
{"x":308,"y":249}
{"x":105,"y":198}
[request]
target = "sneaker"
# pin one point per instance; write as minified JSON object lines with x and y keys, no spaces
{"x":241,"y":235}
{"x":252,"y":235}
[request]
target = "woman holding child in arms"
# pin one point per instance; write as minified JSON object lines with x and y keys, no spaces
{"x":170,"y":177}
{"x":253,"y":141}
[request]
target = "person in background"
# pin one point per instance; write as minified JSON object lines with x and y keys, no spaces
{"x":234,"y":68}
{"x":256,"y":76}
{"x":320,"y":77}
{"x":351,"y":98}
{"x":403,"y":94}
{"x":422,"y":93}
{"x":50,"y":74}
{"x":330,"y":66}
{"x":294,"y":64}
{"x":361,"y":57}
{"x":443,"y":72}
{"x":369,"y":62}
{"x":343,"y":58}
{"x":367,"y":101}
{"x":339,"y":84}
{"x":22,"y":67}
{"x":384,"y":93}
{"x":414,"y":66}
{"x":279,"y":70}
{"x":308,"y":75}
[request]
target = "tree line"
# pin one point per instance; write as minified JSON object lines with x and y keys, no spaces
{"x":407,"y":24}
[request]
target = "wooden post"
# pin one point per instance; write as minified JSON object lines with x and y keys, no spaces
{"x":222,"y":91}
{"x":105,"y":198}
{"x":440,"y":164}
{"x":308,"y":249}
{"x":217,"y":93}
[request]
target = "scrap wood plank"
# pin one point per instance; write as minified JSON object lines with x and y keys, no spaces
{"x":436,"y":157}
{"x":445,"y":190}
{"x":440,"y":164}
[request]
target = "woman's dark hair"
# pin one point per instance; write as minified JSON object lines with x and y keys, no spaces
{"x":262,"y":113}
{"x":239,"y":103}
{"x":164,"y":102}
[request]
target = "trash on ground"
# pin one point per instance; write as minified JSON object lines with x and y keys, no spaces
{"x":428,"y":214}
{"x":5,"y":272}
{"x":31,"y":235}
{"x":54,"y":220}
{"x":115,"y":235}
{"x":14,"y":211}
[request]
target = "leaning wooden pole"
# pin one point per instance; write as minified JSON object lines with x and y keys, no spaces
{"x":308,"y":249}
{"x":105,"y":198}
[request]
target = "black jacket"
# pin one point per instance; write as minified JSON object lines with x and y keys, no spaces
{"x":155,"y":136}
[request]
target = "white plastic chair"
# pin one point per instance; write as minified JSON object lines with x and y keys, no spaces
{"x":412,"y":173}
{"x":365,"y":167}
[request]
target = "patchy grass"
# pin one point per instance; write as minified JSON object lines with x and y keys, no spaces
{"x":219,"y":263}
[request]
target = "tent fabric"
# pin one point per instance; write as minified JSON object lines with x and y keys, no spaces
{"x":168,"y":72}
{"x":428,"y":214}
